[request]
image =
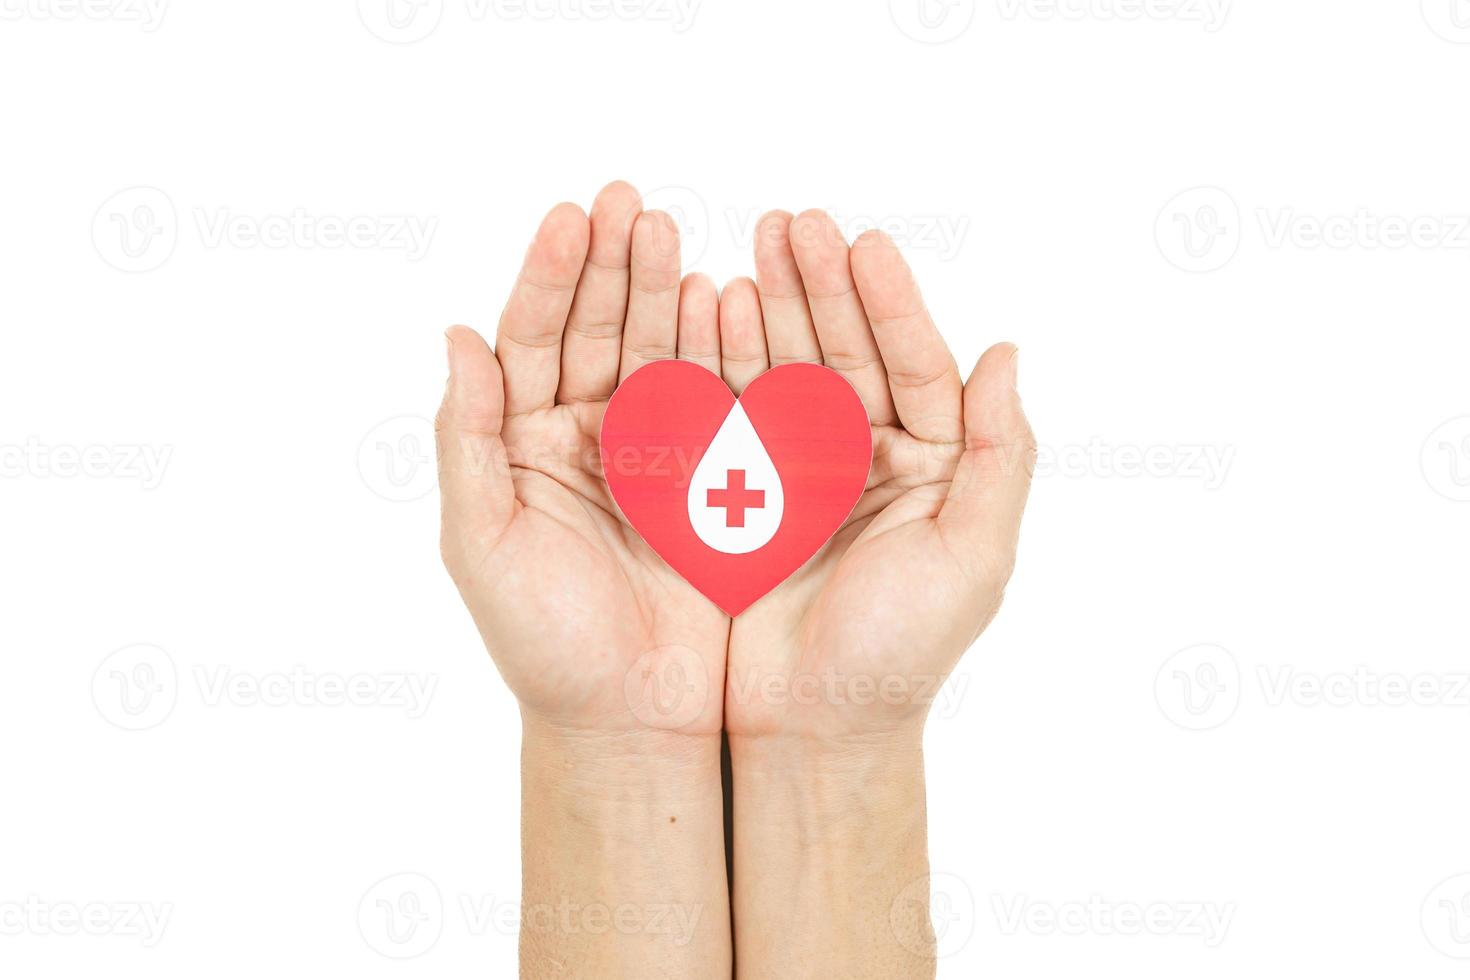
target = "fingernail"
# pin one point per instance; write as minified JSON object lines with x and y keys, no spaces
{"x":1015,"y":359}
{"x":449,"y":353}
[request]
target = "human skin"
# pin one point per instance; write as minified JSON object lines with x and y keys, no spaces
{"x":622,"y":803}
{"x":622,"y":808}
{"x":831,"y":675}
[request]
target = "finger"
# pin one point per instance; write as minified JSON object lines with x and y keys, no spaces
{"x":652,"y":327}
{"x":742,"y":335}
{"x":790,"y":335}
{"x":476,"y":494}
{"x":991,"y":483}
{"x":592,"y":347}
{"x":699,"y":322}
{"x":922,"y":377}
{"x":528,"y":342}
{"x":847,"y":341}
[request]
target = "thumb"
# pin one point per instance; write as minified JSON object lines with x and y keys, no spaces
{"x":477,"y":499}
{"x":983,"y":511}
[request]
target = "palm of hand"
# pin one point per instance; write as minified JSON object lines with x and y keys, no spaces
{"x":589,"y":626}
{"x":861,"y":637}
{"x":850,"y":634}
{"x":617,"y":629}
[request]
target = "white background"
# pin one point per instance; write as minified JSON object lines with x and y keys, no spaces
{"x":1033,"y":164}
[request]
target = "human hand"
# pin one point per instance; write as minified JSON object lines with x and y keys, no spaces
{"x":832,"y":673}
{"x":585,"y":622}
{"x":857,"y":642}
{"x":622,"y":845}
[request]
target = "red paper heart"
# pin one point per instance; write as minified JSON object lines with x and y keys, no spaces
{"x":736,"y":496}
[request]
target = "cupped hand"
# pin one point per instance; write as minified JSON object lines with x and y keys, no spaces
{"x":858,"y":641}
{"x":589,"y":627}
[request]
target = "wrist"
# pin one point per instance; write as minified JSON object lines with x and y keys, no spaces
{"x":859,"y":756}
{"x":830,"y":853}
{"x":829,"y":787}
{"x":621,"y":765}
{"x":830,"y":702}
{"x":622,"y":853}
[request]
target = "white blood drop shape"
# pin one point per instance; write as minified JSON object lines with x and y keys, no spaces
{"x":735,"y":456}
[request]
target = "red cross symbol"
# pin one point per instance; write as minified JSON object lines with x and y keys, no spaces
{"x":735,"y":499}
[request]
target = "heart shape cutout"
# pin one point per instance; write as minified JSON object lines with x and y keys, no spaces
{"x":736,"y":494}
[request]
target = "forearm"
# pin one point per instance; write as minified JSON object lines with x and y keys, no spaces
{"x":830,"y":858}
{"x":622,"y":853}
